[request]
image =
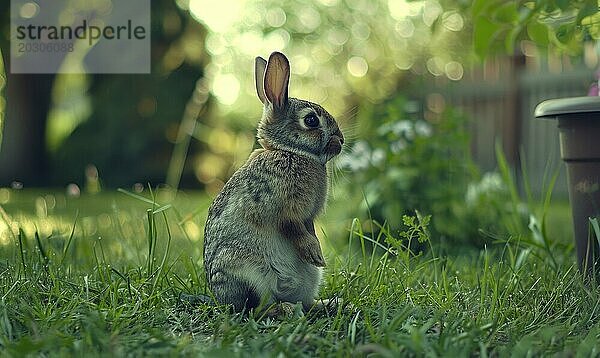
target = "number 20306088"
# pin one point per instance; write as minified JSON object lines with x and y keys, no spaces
{"x":50,"y":47}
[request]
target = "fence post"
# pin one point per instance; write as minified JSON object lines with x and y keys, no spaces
{"x":511,"y":126}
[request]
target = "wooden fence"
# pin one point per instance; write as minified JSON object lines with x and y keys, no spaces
{"x":500,"y":98}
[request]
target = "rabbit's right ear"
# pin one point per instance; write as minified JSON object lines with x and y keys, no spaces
{"x":260,"y":64}
{"x":277,"y":77}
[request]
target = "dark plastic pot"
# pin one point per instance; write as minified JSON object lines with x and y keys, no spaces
{"x":579,"y":128}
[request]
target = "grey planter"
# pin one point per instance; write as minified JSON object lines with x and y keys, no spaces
{"x":579,"y":133}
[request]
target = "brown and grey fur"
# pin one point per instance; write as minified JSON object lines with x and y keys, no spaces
{"x":259,"y":239}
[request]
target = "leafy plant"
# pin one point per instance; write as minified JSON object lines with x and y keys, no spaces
{"x":415,"y":228}
{"x":407,"y":163}
{"x":561,"y":24}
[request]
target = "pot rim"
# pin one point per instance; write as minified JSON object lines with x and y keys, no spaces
{"x":562,"y":107}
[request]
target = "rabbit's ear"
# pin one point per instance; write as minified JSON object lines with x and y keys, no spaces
{"x":277,"y":77}
{"x":260,"y":64}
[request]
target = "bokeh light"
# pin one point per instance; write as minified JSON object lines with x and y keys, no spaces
{"x":226,"y":88}
{"x":275,"y":17}
{"x":29,"y":10}
{"x":334,"y":47}
{"x":357,"y":66}
{"x":454,"y":70}
{"x":218,"y":15}
{"x":453,"y":21}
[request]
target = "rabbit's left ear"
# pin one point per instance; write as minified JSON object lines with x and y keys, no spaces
{"x":277,"y":77}
{"x":260,"y":64}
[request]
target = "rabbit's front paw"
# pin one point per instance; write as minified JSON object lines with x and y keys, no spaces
{"x":310,"y":251}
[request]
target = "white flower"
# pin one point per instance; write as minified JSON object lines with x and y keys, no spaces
{"x":491,"y":182}
{"x":358,"y":159}
{"x":404,"y":127}
{"x":378,"y":156}
{"x":423,"y":129}
{"x":398,"y":146}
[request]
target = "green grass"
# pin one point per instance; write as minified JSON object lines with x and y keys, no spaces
{"x":104,"y":274}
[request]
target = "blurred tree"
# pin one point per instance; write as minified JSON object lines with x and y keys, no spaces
{"x":23,"y":151}
{"x":126,"y":132}
{"x":2,"y":100}
{"x":130,"y":133}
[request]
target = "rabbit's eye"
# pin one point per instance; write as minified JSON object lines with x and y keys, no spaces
{"x":311,"y":120}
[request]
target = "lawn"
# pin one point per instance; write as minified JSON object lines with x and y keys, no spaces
{"x":84,"y":285}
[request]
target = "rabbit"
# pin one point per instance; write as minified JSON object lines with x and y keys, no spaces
{"x":260,"y":244}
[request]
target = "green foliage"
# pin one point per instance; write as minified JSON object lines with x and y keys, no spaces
{"x":415,"y":228}
{"x":557,"y":24}
{"x":407,"y":163}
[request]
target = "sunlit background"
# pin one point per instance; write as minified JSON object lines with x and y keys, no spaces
{"x":342,"y":54}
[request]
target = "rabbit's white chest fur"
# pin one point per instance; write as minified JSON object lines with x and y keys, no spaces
{"x":286,"y":277}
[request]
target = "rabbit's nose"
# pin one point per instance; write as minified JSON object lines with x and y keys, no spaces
{"x":338,"y":133}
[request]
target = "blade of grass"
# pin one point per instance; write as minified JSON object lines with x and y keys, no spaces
{"x":41,"y":248}
{"x":162,"y":208}
{"x":362,"y":243}
{"x":596,"y":228}
{"x":124,"y":278}
{"x":353,"y":227}
{"x":365,"y":237}
{"x":20,"y":236}
{"x":505,"y":172}
{"x":138,"y":197}
{"x":165,"y":255}
{"x":383,"y":231}
{"x":97,"y":261}
{"x":545,"y":208}
{"x":525,"y":176}
{"x":70,"y":239}
{"x":192,"y":271}
{"x":150,"y":239}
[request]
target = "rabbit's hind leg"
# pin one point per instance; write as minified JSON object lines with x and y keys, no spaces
{"x":229,"y":289}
